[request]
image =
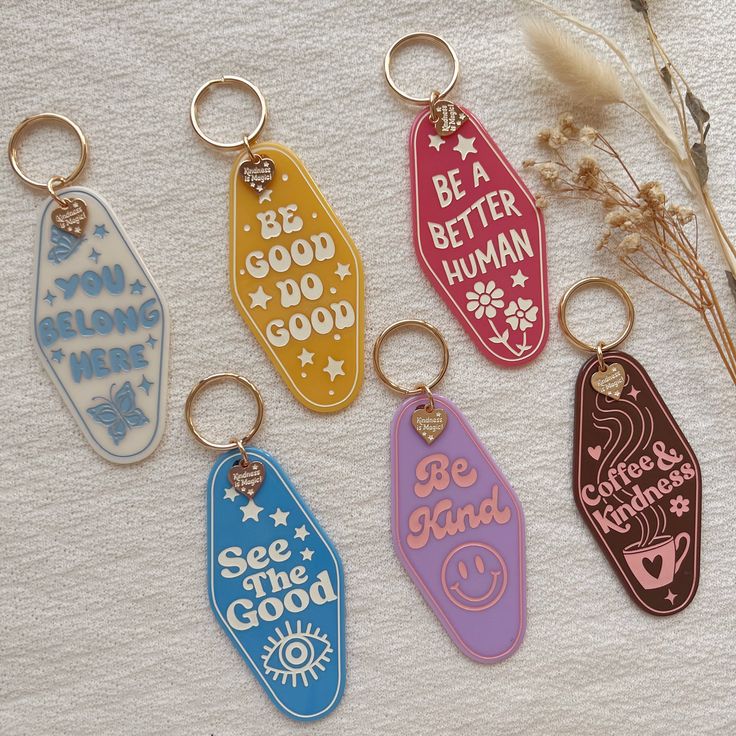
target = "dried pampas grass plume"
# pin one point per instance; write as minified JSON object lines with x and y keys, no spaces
{"x":587,"y":78}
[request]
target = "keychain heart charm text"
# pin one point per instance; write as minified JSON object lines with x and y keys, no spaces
{"x":458,"y":526}
{"x":101,"y":325}
{"x":295,"y":273}
{"x":637,"y":481}
{"x":429,"y":422}
{"x":71,"y":218}
{"x":257,"y":173}
{"x":275,"y":580}
{"x":611,"y":381}
{"x":445,"y":116}
{"x":478,"y":233}
{"x":247,"y":479}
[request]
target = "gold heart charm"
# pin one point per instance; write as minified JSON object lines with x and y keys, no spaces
{"x":257,"y":173}
{"x":429,"y":423}
{"x":609,"y":382}
{"x":447,"y":117}
{"x":71,"y":218}
{"x":247,"y":479}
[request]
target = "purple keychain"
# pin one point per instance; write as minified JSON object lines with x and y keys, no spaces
{"x":457,"y":525}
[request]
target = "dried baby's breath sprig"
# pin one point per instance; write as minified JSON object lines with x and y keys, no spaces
{"x":541,"y":200}
{"x":575,"y":66}
{"x":645,"y":232}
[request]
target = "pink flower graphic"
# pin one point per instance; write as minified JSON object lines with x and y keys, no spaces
{"x":679,"y":506}
{"x":521,"y":314}
{"x":484,"y":299}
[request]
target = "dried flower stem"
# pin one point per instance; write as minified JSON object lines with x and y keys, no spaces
{"x":690,"y":159}
{"x":662,"y":61}
{"x":647,"y":235}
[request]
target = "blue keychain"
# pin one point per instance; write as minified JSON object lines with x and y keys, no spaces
{"x":275,"y":580}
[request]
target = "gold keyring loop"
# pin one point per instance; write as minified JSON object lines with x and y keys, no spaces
{"x":601,"y":360}
{"x":54,"y":183}
{"x":241,"y":446}
{"x":430,"y":396}
{"x":422,"y":388}
{"x":219,"y":378}
{"x":585,"y":283}
{"x":22,"y":129}
{"x":235,"y":82}
{"x":419,"y":36}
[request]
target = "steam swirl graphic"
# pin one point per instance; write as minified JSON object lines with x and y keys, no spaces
{"x":630,"y":432}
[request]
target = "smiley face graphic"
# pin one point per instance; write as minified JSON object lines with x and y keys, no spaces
{"x":474,"y":576}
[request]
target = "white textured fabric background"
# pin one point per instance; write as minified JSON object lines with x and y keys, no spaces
{"x":104,"y":620}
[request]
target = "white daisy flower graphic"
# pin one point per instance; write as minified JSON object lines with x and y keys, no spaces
{"x":485,"y":299}
{"x":521,"y":314}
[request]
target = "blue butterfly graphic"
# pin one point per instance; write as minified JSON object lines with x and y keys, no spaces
{"x":64,"y":245}
{"x":119,"y":413}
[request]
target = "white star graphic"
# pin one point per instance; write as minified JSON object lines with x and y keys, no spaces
{"x":670,"y":597}
{"x":230,"y":494}
{"x":305,"y":357}
{"x":435,"y":141}
{"x":301,"y":532}
{"x":465,"y":146}
{"x":334,"y":368}
{"x":307,"y":554}
{"x":518,"y":279}
{"x":279,"y":517}
{"x":259,"y":298}
{"x":251,"y":510}
{"x":264,"y":196}
{"x":342,"y":270}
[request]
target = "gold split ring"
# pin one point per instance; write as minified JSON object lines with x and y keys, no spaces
{"x":601,"y":346}
{"x":422,"y":388}
{"x":54,"y":182}
{"x":420,"y":36}
{"x":248,"y":138}
{"x":219,"y":378}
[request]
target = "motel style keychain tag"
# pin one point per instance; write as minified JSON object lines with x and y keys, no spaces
{"x":478,"y":233}
{"x":100,"y":324}
{"x":275,"y":580}
{"x":637,"y":482}
{"x":458,"y":526}
{"x":295,"y":273}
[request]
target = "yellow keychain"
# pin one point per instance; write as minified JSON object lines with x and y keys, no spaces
{"x":295,"y":273}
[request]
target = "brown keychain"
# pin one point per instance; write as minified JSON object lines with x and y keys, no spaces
{"x":636,"y":480}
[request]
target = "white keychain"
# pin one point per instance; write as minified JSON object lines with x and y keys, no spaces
{"x":100,"y":324}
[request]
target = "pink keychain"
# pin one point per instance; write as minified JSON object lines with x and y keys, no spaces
{"x":478,"y":233}
{"x":458,"y":526}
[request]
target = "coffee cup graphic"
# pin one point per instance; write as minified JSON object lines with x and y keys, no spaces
{"x":655,"y":565}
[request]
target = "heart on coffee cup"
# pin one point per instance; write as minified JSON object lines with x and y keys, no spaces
{"x":257,"y":172}
{"x":609,"y":382}
{"x":71,"y":218}
{"x":429,"y":423}
{"x":247,"y":479}
{"x":656,"y":564}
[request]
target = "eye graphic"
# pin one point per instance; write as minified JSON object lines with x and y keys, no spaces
{"x":296,"y":654}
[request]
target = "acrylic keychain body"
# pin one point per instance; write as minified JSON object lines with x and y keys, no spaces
{"x":457,"y":525}
{"x":275,"y":580}
{"x":478,"y":233}
{"x":637,"y":482}
{"x":295,"y":273}
{"x":100,"y":324}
